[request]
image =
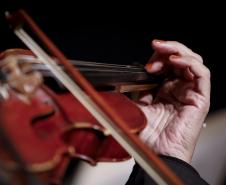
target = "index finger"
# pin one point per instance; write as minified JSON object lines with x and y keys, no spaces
{"x":171,"y":47}
{"x":200,"y":71}
{"x":163,"y":50}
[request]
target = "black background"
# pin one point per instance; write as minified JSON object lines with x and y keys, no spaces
{"x":117,"y":32}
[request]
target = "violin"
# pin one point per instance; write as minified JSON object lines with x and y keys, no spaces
{"x":57,"y":124}
{"x":83,"y":123}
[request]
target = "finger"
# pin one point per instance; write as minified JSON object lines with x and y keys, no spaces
{"x":189,"y":97}
{"x":162,"y":66}
{"x":162,"y":51}
{"x":184,"y":93}
{"x":154,"y":67}
{"x":188,"y":74}
{"x":165,"y":93}
{"x":147,"y":99}
{"x":170,"y":47}
{"x":154,"y":64}
{"x":195,"y":67}
{"x":200,"y":72}
{"x":173,"y":47}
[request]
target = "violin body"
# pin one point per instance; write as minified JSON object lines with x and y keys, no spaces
{"x":48,"y":129}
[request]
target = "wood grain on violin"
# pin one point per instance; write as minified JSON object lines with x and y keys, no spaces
{"x":55,"y":123}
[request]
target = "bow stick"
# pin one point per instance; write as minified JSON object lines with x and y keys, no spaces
{"x":89,"y":97}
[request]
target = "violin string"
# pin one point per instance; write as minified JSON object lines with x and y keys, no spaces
{"x":124,"y":69}
{"x":41,"y":67}
{"x":87,"y":67}
{"x":83,"y":63}
{"x":91,"y":107}
{"x":90,"y":66}
{"x":96,"y":64}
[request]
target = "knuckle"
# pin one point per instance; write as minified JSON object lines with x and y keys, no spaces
{"x":180,"y":46}
{"x":199,"y":57}
{"x":204,"y":105}
{"x":207,"y":73}
{"x":203,"y":69}
{"x":194,"y":59}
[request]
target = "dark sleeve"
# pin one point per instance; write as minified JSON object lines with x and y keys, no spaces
{"x":184,"y":171}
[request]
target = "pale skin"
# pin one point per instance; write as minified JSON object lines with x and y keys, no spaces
{"x":176,"y":114}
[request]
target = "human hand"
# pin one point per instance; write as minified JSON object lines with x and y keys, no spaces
{"x":176,"y":114}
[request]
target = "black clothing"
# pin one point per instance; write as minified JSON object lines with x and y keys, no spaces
{"x":185,"y":171}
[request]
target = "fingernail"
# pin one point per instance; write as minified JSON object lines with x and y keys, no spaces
{"x":154,"y":67}
{"x":157,"y":41}
{"x":148,"y":67}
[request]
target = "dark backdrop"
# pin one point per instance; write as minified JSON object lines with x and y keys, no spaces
{"x":121,"y":33}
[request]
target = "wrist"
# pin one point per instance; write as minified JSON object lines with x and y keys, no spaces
{"x":175,"y":151}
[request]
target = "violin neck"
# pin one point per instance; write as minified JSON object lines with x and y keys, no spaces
{"x":121,"y":78}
